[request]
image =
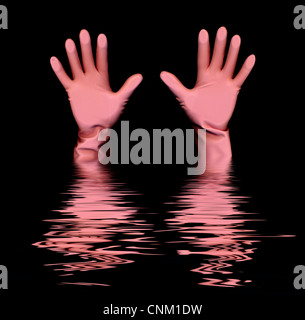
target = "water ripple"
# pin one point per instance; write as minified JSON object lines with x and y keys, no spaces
{"x":98,"y":228}
{"x":208,"y":215}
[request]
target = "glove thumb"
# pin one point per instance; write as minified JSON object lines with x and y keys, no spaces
{"x":178,"y":89}
{"x":129,"y":86}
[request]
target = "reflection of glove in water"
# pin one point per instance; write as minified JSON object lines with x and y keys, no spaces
{"x":94,"y":104}
{"x":211,"y":102}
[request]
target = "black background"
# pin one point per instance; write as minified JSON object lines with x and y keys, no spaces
{"x":39,"y":131}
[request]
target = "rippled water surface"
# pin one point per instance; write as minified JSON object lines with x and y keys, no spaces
{"x":102,"y":226}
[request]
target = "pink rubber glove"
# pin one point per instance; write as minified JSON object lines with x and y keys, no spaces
{"x":211,"y":102}
{"x":94,"y":105}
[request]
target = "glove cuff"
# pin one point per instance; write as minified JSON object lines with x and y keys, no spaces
{"x":88,"y":145}
{"x":218,"y":149}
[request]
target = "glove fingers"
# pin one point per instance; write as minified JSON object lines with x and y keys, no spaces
{"x":75,"y":65}
{"x":230,"y":64}
{"x":87,"y":56}
{"x":219,"y":48}
{"x":203,"y":58}
{"x":174,"y":84}
{"x":60,"y":73}
{"x":101,"y":55}
{"x":244,"y":71}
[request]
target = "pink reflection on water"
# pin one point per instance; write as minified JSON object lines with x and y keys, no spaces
{"x":84,"y":228}
{"x":88,"y":284}
{"x":211,"y":222}
{"x":97,"y":228}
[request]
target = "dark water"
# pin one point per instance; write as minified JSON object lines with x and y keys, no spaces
{"x":100,"y":226}
{"x":112,"y":235}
